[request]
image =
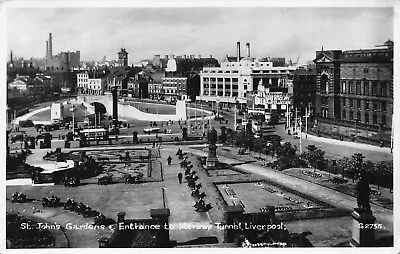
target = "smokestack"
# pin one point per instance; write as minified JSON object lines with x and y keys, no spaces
{"x":50,"y":46}
{"x":248,"y":49}
{"x":238,"y":51}
{"x":47,"y":49}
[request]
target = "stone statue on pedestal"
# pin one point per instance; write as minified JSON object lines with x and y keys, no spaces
{"x":212,"y":159}
{"x":363,"y":190}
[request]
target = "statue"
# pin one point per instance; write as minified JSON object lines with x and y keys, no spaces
{"x":212,"y":136}
{"x":212,"y":159}
{"x":363,"y":190}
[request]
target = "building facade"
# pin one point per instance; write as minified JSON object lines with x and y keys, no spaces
{"x":356,"y":86}
{"x":304,"y":90}
{"x":235,"y":79}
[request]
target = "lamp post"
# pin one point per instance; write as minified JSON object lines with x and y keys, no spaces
{"x":235,"y":109}
{"x":72,"y":109}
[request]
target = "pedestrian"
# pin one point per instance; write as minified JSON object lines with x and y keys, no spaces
{"x":169,"y":160}
{"x":180,"y":177}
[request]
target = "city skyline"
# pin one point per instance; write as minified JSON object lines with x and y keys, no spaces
{"x":145,"y":32}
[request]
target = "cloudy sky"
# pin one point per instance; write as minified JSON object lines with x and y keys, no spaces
{"x":144,"y":32}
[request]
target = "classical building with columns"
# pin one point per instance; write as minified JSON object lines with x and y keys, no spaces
{"x":235,"y":79}
{"x":356,"y":86}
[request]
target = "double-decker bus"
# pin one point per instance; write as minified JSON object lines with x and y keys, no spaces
{"x":98,"y":134}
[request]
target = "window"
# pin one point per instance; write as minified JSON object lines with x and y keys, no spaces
{"x":358,"y":116}
{"x":351,"y":87}
{"x":220,"y":79}
{"x":366,"y":118}
{"x":235,"y":87}
{"x":374,"y":119}
{"x":366,"y":70}
{"x":245,"y":87}
{"x":383,"y":120}
{"x":351,"y":103}
{"x":358,"y":87}
{"x":366,"y":87}
{"x":375,"y":106}
{"x":359,"y":104}
{"x":366,"y":105}
{"x":227,"y":80}
{"x":383,"y":106}
{"x":344,"y":114}
{"x":343,"y":86}
{"x":344,"y":102}
{"x":235,"y":80}
{"x":351,"y":116}
{"x":206,"y":79}
{"x":374,"y":88}
{"x":383,"y":88}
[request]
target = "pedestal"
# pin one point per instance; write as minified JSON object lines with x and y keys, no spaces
{"x":363,"y":233}
{"x":212,"y":159}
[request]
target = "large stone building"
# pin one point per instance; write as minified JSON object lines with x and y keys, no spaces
{"x":181,"y":79}
{"x":236,"y":78}
{"x":91,"y":83}
{"x":304,"y":90}
{"x":356,"y":86}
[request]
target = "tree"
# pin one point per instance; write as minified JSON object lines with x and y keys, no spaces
{"x":223,"y":136}
{"x":184,"y":133}
{"x":230,"y":136}
{"x":315,"y":158}
{"x":286,"y":150}
{"x":356,"y":166}
{"x":135,"y":137}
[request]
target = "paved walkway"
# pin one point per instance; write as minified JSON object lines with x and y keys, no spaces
{"x":180,"y":202}
{"x":338,"y":199}
{"x":336,"y":149}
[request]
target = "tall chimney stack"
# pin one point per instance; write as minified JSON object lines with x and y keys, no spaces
{"x":50,"y":46}
{"x":47,"y":49}
{"x":238,"y":51}
{"x":248,"y":49}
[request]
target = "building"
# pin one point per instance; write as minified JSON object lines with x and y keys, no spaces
{"x":304,"y":90}
{"x":57,"y":112}
{"x":180,"y":81}
{"x":156,"y":88}
{"x":234,"y":79}
{"x":123,"y":57}
{"x":91,"y":83}
{"x":356,"y":86}
{"x":27,"y":85}
{"x":64,"y":61}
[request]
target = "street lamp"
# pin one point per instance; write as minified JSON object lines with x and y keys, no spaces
{"x":72,"y":109}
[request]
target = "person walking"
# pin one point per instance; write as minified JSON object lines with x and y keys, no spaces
{"x":180,"y":177}
{"x":169,"y":160}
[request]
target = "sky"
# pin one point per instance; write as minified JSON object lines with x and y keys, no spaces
{"x":145,"y":32}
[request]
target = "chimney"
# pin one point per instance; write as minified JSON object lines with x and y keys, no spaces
{"x":47,"y":49}
{"x":211,"y":56}
{"x":184,"y":56}
{"x":248,"y":49}
{"x":238,"y":51}
{"x":166,"y":56}
{"x":50,"y":46}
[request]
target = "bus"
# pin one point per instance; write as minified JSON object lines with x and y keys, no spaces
{"x":98,"y":134}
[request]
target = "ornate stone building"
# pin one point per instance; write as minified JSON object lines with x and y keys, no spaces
{"x":356,"y":86}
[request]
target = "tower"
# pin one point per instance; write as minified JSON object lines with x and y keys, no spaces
{"x":50,"y":49}
{"x":11,"y":60}
{"x":123,"y":57}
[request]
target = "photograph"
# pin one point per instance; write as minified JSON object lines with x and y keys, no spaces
{"x":198,"y":126}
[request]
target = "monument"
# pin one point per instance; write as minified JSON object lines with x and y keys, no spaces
{"x":363,"y":220}
{"x":57,"y":112}
{"x":212,"y":159}
{"x":115,"y":124}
